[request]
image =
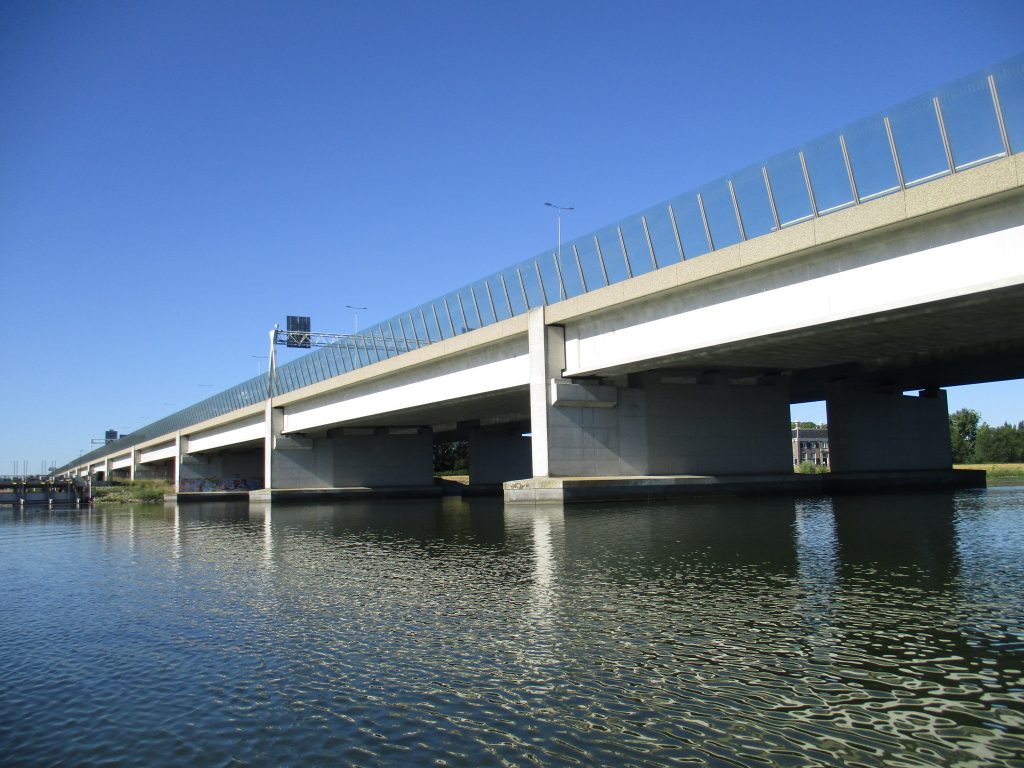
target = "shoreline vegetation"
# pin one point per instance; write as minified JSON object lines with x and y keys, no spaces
{"x":992,"y":470}
{"x":810,"y":468}
{"x":996,"y":470}
{"x":132,"y":492}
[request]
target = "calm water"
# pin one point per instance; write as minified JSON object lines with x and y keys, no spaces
{"x":848,"y":631}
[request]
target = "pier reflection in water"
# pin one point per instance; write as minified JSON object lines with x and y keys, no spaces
{"x":875,"y":630}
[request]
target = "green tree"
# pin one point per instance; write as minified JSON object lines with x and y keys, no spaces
{"x":999,"y":445}
{"x":452,"y":456}
{"x":963,"y":433}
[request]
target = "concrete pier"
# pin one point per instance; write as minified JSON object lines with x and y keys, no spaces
{"x":39,"y":491}
{"x":585,"y":489}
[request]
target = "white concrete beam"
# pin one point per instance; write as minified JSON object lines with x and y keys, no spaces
{"x":123,"y":462}
{"x":243,"y":431}
{"x":984,"y":263}
{"x":481,"y":372}
{"x":158,"y":452}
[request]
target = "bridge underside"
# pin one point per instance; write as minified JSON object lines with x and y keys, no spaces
{"x":492,"y":408}
{"x":738,"y":395}
{"x":949,"y":343}
{"x":394,"y":449}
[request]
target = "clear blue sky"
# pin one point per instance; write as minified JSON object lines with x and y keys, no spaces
{"x":176,"y":177}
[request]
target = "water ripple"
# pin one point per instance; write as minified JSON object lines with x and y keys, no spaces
{"x":853,"y":631}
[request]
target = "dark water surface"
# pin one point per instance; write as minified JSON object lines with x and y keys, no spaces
{"x":869,"y":630}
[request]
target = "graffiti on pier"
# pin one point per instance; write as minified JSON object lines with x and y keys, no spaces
{"x":209,"y":484}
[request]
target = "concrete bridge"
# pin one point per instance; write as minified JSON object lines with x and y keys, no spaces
{"x":661,"y":355}
{"x":35,"y":490}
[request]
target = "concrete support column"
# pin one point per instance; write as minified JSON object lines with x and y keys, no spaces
{"x":547,"y":360}
{"x":180,"y":449}
{"x":658,"y":423}
{"x":648,"y":434}
{"x":595,"y":430}
{"x":495,"y":457}
{"x":383,"y":457}
{"x":300,"y":461}
{"x":663,"y":424}
{"x":273,"y":422}
{"x":194,"y":472}
{"x":887,"y":431}
{"x":227,"y":470}
{"x":715,"y":425}
{"x":352,"y":457}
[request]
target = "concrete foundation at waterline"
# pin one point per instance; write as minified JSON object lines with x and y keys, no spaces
{"x":584,"y":489}
{"x":334,"y":494}
{"x":642,"y":488}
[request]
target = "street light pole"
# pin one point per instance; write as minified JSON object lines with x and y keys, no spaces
{"x":558,"y":216}
{"x":268,"y":414}
{"x":355,"y":312}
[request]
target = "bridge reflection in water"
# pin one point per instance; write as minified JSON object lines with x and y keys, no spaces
{"x":834,"y":631}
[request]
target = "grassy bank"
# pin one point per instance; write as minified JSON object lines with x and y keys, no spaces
{"x":991,"y":470}
{"x":997,"y":470}
{"x":132,"y":492}
{"x":810,"y":468}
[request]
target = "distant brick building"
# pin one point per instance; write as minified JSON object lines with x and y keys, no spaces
{"x":810,"y":445}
